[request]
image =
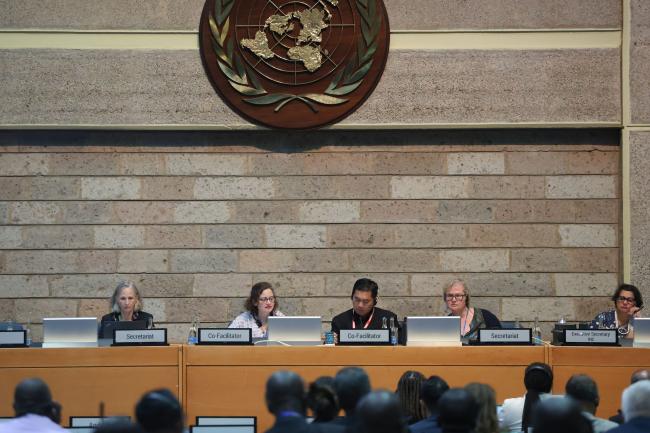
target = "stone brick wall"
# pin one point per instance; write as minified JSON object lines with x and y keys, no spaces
{"x":530,"y":219}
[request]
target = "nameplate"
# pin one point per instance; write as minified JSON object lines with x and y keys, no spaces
{"x":140,"y":337}
{"x":591,"y":337}
{"x":225,"y":336}
{"x":13,"y":338}
{"x":505,"y":336}
{"x":94,"y":421}
{"x":364,"y":336}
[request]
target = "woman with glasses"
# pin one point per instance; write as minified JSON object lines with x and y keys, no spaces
{"x":456,"y":296}
{"x":261,"y":304}
{"x":628,"y":302}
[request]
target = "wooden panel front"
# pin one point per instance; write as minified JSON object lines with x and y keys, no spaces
{"x":230,"y":380}
{"x":610,"y":367}
{"x":83,"y":378}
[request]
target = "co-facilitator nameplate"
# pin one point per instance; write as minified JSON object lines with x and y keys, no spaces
{"x":16,"y":338}
{"x":505,"y":336}
{"x":591,"y":337}
{"x":140,"y":337}
{"x":364,"y":336}
{"x":225,"y":336}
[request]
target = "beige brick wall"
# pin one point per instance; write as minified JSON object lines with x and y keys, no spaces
{"x":534,"y":228}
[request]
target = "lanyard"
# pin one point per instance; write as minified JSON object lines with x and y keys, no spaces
{"x":354,"y":325}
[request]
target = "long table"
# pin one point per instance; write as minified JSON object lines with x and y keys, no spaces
{"x":229,"y":380}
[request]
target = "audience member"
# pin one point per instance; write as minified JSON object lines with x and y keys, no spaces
{"x":560,"y":415}
{"x":34,"y":409}
{"x":516,"y":413}
{"x":351,"y":384}
{"x":159,"y":411}
{"x":638,"y":375}
{"x":458,"y":411}
{"x":322,"y":399}
{"x":430,"y":392}
{"x":408,"y":392}
{"x":485,"y":397}
{"x":584,"y":390}
{"x":380,"y":412}
{"x":636,"y":408}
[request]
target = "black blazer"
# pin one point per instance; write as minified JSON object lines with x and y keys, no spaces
{"x":344,"y":320}
{"x":114,"y":317}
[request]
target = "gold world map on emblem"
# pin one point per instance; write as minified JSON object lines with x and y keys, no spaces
{"x":307,"y":49}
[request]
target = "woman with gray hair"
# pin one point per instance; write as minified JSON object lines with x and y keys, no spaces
{"x":126,"y":305}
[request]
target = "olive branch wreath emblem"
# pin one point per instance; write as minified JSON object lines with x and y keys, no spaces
{"x":244,"y":80}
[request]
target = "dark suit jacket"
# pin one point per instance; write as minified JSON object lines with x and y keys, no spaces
{"x":428,"y":425}
{"x":636,"y":425}
{"x":114,"y":317}
{"x":298,"y":424}
{"x":344,"y":320}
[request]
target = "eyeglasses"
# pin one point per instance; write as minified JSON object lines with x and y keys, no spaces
{"x":624,"y":299}
{"x":269,"y":299}
{"x":361,"y":301}
{"x":455,"y":296}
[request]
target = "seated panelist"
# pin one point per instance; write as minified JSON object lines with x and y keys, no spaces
{"x":126,"y":305}
{"x":261,"y":304}
{"x":628,"y":303}
{"x":364,"y":313}
{"x":456,"y":296}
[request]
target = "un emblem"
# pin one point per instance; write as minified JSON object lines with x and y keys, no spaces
{"x":297,"y":64}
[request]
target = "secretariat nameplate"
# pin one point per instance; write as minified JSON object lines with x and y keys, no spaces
{"x":294,"y":64}
{"x":140,"y":337}
{"x":364,"y":336}
{"x":15,"y":338}
{"x":505,"y":336}
{"x":225,"y":336}
{"x":591,"y":337}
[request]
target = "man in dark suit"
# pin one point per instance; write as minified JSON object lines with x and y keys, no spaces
{"x":364,"y":313}
{"x":351,"y":385}
{"x":560,"y":415}
{"x":380,"y":412}
{"x":285,"y":398}
{"x":637,"y":376}
{"x":636,"y":409}
{"x":159,"y":411}
{"x":458,"y":411}
{"x":430,"y":392}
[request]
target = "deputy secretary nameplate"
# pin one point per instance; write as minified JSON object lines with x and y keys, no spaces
{"x":140,"y":337}
{"x":294,"y":64}
{"x":225,"y":336}
{"x":364,"y":336}
{"x":517,"y":336}
{"x":591,"y":337}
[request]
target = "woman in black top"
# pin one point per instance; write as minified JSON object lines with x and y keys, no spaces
{"x":126,"y":305}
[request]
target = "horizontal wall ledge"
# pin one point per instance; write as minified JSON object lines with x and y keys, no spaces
{"x":419,"y":87}
{"x":403,"y":14}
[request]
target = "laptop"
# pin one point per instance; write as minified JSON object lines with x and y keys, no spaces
{"x":295,"y":330}
{"x":70,"y":332}
{"x":433,"y":331}
{"x":641,"y":332}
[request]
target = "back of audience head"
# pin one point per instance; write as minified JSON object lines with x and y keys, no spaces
{"x":285,"y":391}
{"x":117,"y":426}
{"x":538,"y":379}
{"x":430,"y":392}
{"x":351,"y":384}
{"x":408,"y":392}
{"x":159,"y":411}
{"x":584,"y":390}
{"x":32,"y":396}
{"x":638,"y":375}
{"x":458,"y":411}
{"x":486,"y":421}
{"x":380,"y":412}
{"x":636,"y":400}
{"x":322,"y":399}
{"x":560,"y":415}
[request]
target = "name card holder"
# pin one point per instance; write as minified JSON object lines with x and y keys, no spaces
{"x":16,"y":338}
{"x":365,"y":337}
{"x":591,"y":337}
{"x":94,"y":421}
{"x":225,"y":336}
{"x":140,"y":337}
{"x":505,"y":337}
